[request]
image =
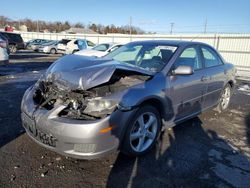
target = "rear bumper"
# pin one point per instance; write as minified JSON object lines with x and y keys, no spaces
{"x":4,"y":62}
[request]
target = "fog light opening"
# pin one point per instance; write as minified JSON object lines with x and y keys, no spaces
{"x":85,"y":148}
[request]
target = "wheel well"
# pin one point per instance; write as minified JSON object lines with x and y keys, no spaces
{"x":231,"y":83}
{"x":155,"y":103}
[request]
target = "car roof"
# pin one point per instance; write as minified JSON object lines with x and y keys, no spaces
{"x":168,"y":42}
{"x":9,"y":33}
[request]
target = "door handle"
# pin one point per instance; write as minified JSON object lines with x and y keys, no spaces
{"x":204,"y":78}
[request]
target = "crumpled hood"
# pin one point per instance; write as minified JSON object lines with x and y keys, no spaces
{"x":73,"y":72}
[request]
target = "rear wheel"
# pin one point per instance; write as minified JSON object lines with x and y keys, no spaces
{"x":12,"y":48}
{"x":225,"y":98}
{"x":53,"y":51}
{"x":142,"y":131}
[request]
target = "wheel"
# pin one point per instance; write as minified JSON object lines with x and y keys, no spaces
{"x":142,"y":132}
{"x":53,"y":51}
{"x":225,"y":98}
{"x":12,"y":48}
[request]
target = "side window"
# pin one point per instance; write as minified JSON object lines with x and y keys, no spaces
{"x":211,"y":59}
{"x":90,"y":43}
{"x":189,"y":57}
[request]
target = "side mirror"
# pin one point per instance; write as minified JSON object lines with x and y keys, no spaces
{"x":183,"y":70}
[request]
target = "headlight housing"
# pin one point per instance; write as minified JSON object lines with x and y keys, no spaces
{"x":100,"y":106}
{"x":45,"y":48}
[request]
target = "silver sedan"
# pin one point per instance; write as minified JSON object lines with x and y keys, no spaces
{"x":86,"y":107}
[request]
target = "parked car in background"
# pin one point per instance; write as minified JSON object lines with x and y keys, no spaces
{"x":86,"y":107}
{"x":99,"y":50}
{"x":78,"y":44}
{"x":35,"y":46}
{"x":15,"y":41}
{"x":49,"y":48}
{"x":4,"y":56}
{"x":61,"y":46}
{"x":34,"y":41}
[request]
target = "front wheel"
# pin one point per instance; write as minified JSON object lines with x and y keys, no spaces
{"x":142,"y":131}
{"x":225,"y":98}
{"x":53,"y":51}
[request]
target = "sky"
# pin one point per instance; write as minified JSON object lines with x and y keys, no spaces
{"x":149,"y":15}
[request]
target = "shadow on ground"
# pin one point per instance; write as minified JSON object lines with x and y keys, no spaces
{"x":248,"y":128}
{"x":10,"y":120}
{"x":187,"y":156}
{"x":24,"y":54}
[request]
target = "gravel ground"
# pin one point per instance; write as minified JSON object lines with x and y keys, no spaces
{"x":211,"y":150}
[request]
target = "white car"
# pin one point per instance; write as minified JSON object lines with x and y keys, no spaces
{"x":61,"y":46}
{"x":100,"y":50}
{"x":4,"y":56}
{"x":49,"y":48}
{"x":78,"y":44}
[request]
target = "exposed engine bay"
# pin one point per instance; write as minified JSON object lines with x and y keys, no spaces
{"x":87,"y":104}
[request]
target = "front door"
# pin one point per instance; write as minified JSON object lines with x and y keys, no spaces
{"x":187,"y":91}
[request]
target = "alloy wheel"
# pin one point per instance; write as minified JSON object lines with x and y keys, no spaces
{"x":143,"y":132}
{"x":225,"y":98}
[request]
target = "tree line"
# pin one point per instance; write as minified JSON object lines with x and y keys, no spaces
{"x":58,"y":26}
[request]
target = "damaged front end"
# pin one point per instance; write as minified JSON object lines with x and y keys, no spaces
{"x":93,"y":103}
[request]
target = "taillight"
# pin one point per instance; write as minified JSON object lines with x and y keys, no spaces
{"x":3,"y":44}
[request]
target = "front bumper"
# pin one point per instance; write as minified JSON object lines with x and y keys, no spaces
{"x":43,"y":50}
{"x":81,"y":139}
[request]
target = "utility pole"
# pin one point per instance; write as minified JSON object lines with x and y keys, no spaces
{"x":171,"y":27}
{"x":205,"y":26}
{"x":37,"y":26}
{"x":130,"y":25}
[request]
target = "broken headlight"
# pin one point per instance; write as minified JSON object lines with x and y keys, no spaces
{"x":100,"y":106}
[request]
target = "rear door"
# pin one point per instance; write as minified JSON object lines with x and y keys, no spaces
{"x":214,"y":75}
{"x":187,"y":91}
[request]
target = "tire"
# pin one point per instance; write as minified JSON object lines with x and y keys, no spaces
{"x":224,"y":98}
{"x":141,"y":137}
{"x":13,"y":48}
{"x":52,"y":51}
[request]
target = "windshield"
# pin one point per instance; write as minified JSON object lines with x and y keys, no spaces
{"x":152,"y":57}
{"x":101,"y":47}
